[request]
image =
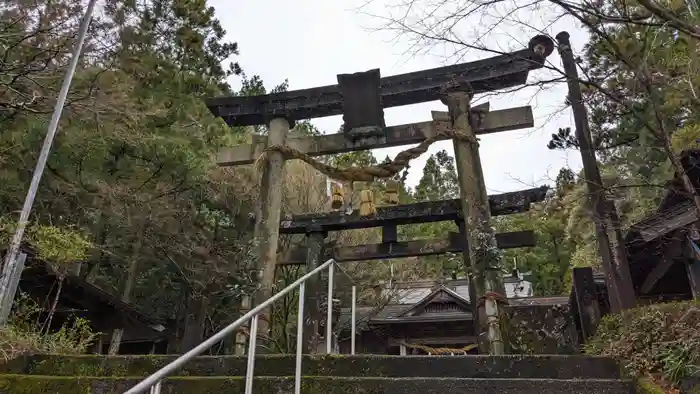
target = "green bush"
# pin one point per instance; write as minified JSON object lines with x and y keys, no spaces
{"x":660,"y":340}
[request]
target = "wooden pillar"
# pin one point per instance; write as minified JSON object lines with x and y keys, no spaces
{"x":693,"y":269}
{"x":267,"y":221}
{"x":693,"y":263}
{"x":603,"y":211}
{"x":312,"y":314}
{"x":481,"y":334}
{"x":586,"y":301}
{"x":484,"y":256}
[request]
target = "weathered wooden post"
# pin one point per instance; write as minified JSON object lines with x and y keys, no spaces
{"x":603,"y":211}
{"x":315,"y":236}
{"x":267,"y":219}
{"x":586,"y":301}
{"x":692,"y":264}
{"x":484,"y":255}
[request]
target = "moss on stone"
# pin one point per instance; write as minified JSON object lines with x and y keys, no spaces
{"x":516,"y":366}
{"x":646,"y":386}
{"x":16,"y":365}
{"x":26,"y":384}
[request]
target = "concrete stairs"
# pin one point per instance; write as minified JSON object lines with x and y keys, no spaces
{"x":322,"y":375}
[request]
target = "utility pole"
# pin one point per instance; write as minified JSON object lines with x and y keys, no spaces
{"x":602,"y":210}
{"x":11,"y":255}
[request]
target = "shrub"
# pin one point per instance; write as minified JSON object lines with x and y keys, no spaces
{"x":660,"y":340}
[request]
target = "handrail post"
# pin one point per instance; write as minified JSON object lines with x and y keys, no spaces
{"x":300,"y":339}
{"x":250,"y":370}
{"x":156,"y":388}
{"x":329,"y":311}
{"x":352,"y":320}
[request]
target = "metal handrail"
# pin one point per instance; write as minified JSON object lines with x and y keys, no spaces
{"x":152,"y":382}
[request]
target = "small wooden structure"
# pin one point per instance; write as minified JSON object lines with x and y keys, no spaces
{"x":663,"y":261}
{"x":436,"y":314}
{"x":143,"y":334}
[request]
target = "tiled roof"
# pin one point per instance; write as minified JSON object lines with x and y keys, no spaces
{"x":414,"y":292}
{"x":393,"y":311}
{"x":540,"y":301}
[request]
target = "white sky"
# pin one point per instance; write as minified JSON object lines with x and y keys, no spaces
{"x":309,"y":42}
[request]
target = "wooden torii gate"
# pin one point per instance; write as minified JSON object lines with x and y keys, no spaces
{"x":361,"y":98}
{"x":317,"y":225}
{"x":389,"y":218}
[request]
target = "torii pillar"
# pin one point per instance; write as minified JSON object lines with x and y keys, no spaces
{"x":266,"y":233}
{"x":483,"y":255}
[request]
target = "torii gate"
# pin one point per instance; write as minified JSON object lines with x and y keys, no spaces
{"x":361,"y":98}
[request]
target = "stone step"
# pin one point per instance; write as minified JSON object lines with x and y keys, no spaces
{"x":516,"y":366}
{"x":37,"y":384}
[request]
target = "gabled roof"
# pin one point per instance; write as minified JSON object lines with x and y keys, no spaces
{"x":417,"y":312}
{"x":441,"y":294}
{"x":392,"y":313}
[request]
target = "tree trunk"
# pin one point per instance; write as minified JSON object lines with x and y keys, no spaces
{"x":54,"y":304}
{"x":195,"y":316}
{"x":100,"y":257}
{"x":132,"y":274}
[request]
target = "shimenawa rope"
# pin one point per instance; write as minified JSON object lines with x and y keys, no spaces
{"x":370,"y":173}
{"x":441,"y":350}
{"x":492,"y":295}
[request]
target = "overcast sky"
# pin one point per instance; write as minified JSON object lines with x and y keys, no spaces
{"x":309,"y":42}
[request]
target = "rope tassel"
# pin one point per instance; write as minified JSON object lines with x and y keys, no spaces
{"x":391,"y":193}
{"x":367,"y":206}
{"x":337,"y":196}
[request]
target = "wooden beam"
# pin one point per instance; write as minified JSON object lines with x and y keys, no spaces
{"x":424,"y":247}
{"x":673,"y":220}
{"x":657,"y":273}
{"x":480,"y":76}
{"x":412,"y":133}
{"x":666,"y":261}
{"x":422,"y":212}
